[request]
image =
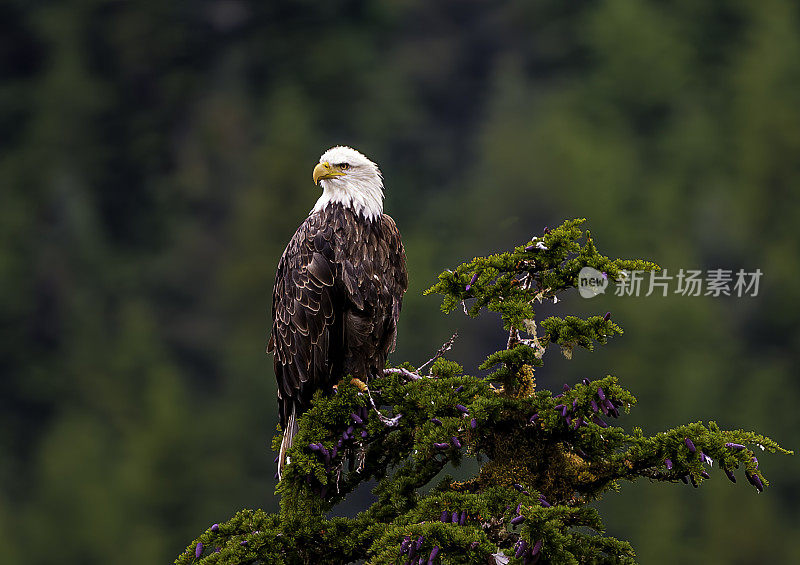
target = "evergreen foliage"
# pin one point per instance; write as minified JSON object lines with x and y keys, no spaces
{"x":543,"y":457}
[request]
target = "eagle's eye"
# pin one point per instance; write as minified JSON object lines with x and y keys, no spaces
{"x":344,"y":166}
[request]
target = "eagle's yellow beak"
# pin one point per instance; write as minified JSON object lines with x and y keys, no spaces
{"x":325,"y":170}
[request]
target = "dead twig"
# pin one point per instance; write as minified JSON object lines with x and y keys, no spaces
{"x":442,"y":350}
{"x":404,"y":372}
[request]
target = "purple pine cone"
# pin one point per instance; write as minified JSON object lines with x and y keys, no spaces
{"x":441,"y":445}
{"x":607,"y":317}
{"x":455,"y":442}
{"x":690,"y":444}
{"x":473,"y":423}
{"x":517,"y":520}
{"x":593,"y":404}
{"x":198,"y":549}
{"x":404,"y":545}
{"x":754,"y":460}
{"x":600,"y":422}
{"x":437,"y":421}
{"x":243,"y":542}
{"x":434,"y":553}
{"x":668,"y":463}
{"x":357,"y":419}
{"x":544,"y":503}
{"x":730,"y":475}
{"x":600,"y":393}
{"x":420,"y":539}
{"x":460,"y":388}
{"x":463,"y":519}
{"x":215,"y":528}
{"x":756,"y":480}
{"x":471,"y":281}
{"x":364,"y":434}
{"x":534,"y":418}
{"x":454,"y":518}
{"x":736,"y":446}
{"x":610,"y":409}
{"x":521,"y":547}
{"x":445,"y":516}
{"x":314,"y":446}
{"x":565,"y":387}
{"x":536,"y":547}
{"x":462,"y":408}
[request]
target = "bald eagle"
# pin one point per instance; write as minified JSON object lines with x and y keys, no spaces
{"x":338,"y":289}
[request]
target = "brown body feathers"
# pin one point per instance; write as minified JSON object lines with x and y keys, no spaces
{"x":337,"y":298}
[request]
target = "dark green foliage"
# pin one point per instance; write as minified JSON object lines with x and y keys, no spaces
{"x":544,"y":457}
{"x":510,"y":283}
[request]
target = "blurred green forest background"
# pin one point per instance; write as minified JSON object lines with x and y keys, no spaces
{"x":155,"y":158}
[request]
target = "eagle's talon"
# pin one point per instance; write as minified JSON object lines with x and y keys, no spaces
{"x":359,"y":384}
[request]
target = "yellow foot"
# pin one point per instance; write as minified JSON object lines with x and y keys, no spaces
{"x":359,"y":384}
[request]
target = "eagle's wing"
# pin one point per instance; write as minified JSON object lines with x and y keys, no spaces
{"x":394,"y":275}
{"x":303,"y":315}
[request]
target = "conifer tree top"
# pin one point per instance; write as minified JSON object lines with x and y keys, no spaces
{"x":544,"y":456}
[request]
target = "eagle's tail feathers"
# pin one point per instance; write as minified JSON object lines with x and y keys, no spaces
{"x":288,"y":438}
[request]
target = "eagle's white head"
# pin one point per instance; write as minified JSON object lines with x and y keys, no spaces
{"x":347,"y":177}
